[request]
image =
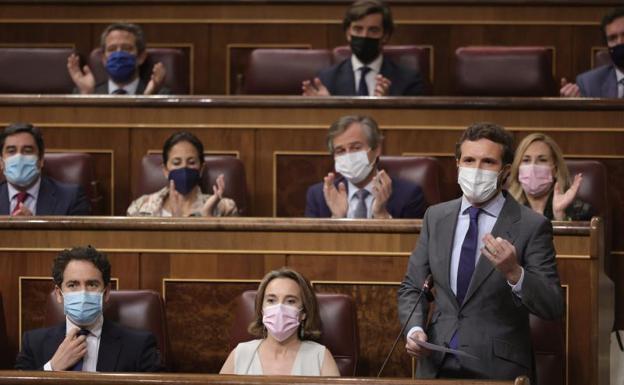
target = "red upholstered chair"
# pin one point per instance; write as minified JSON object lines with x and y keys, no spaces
{"x":281,"y":71}
{"x":339,"y":327}
{"x":505,"y":71}
{"x":151,"y":178}
{"x":175,"y":60}
{"x":601,"y":58}
{"x":423,"y":171}
{"x":414,"y":57}
{"x":6,"y":358}
{"x":75,"y":168}
{"x":35,"y":71}
{"x":549,"y":349}
{"x":136,"y":309}
{"x":593,"y":189}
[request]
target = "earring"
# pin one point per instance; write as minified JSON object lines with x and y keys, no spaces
{"x":301,"y":331}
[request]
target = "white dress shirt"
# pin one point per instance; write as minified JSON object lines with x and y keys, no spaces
{"x":130,"y":88}
{"x":353,"y":199}
{"x":375,"y":67}
{"x":620,"y":85}
{"x":89,"y":363}
{"x":31,"y":199}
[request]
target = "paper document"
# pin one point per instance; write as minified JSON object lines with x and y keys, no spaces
{"x":444,"y":349}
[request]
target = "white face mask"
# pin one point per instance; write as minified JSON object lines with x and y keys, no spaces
{"x":354,"y":166}
{"x":478,"y":185}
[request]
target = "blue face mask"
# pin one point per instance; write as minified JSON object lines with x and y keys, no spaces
{"x":185,"y":179}
{"x":21,"y":170}
{"x":121,"y":66}
{"x":82,"y":307}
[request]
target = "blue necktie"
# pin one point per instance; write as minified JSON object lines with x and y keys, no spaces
{"x":466,"y":262}
{"x":363,"y":87}
{"x":468,"y":255}
{"x":78,"y":365}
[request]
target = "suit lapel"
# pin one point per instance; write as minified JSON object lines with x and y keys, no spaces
{"x":46,"y":201}
{"x":504,"y":226}
{"x":345,"y":83}
{"x":53,"y":340}
{"x":4,"y":199}
{"x":609,"y":86}
{"x":445,"y":227}
{"x":110,"y":347}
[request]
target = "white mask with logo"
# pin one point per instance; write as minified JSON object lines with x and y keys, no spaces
{"x":478,"y":185}
{"x":354,"y":166}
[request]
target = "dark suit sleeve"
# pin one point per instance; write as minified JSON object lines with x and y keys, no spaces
{"x":415,"y":207}
{"x":541,"y":289}
{"x":149,"y":359}
{"x":417,"y":270}
{"x":26,"y":358}
{"x":327,"y":77}
{"x":80,"y":203}
{"x":312,"y":209}
{"x":581,"y":83}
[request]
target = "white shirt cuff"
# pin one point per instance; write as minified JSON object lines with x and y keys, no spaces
{"x":414,"y":329}
{"x":48,"y":366}
{"x":517,"y":288}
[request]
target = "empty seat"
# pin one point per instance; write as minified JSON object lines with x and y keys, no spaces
{"x":416,"y":58}
{"x":75,"y":168}
{"x":339,"y":332}
{"x":549,"y":349}
{"x":136,"y":309}
{"x":281,"y":71}
{"x":35,"y":71}
{"x":423,"y":171}
{"x":151,"y":177}
{"x":175,"y":60}
{"x":505,"y":71}
{"x":601,"y":58}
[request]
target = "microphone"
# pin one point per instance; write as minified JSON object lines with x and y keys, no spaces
{"x":426,"y":291}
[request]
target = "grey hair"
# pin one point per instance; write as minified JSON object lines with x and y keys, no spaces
{"x":369,"y":126}
{"x":128,"y":27}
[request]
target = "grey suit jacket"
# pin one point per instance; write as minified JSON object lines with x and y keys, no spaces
{"x":493,"y":323}
{"x":600,"y":82}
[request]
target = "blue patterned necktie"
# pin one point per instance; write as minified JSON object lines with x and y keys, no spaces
{"x":363,"y":87}
{"x":468,"y":255}
{"x":466,"y":263}
{"x":78,"y":365}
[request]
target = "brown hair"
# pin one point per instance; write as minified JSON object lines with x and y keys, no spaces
{"x":362,"y":8}
{"x":490,"y":131}
{"x":562,"y":174}
{"x":310,"y":327}
{"x":128,"y":27}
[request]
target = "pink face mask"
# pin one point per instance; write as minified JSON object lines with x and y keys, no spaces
{"x":281,"y":320}
{"x":536,"y":179}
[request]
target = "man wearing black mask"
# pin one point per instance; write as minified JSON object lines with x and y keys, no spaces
{"x":605,"y":81}
{"x":368,"y":26}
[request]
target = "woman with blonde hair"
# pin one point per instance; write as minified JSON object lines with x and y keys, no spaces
{"x":286,"y":322}
{"x":540,"y":179}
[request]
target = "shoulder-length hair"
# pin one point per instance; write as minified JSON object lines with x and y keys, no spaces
{"x":562,"y":175}
{"x":310,"y":328}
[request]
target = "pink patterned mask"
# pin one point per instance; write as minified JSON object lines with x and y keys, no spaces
{"x":536,"y":179}
{"x":281,"y":320}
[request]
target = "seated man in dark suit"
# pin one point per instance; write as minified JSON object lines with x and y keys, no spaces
{"x":606,"y":81}
{"x":25,"y":191}
{"x":123,"y":47}
{"x":86,"y":341}
{"x":368,"y":26}
{"x":362,"y":191}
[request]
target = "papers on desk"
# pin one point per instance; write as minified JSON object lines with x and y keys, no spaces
{"x":444,"y":349}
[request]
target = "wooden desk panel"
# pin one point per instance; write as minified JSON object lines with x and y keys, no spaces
{"x":212,"y":260}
